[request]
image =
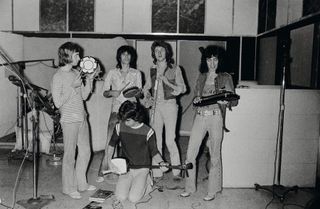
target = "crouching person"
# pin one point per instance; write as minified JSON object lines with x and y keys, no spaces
{"x":138,"y":146}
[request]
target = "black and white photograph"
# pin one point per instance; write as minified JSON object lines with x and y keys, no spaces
{"x":163,"y":104}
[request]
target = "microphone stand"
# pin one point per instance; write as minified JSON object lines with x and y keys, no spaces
{"x":36,"y":201}
{"x":278,"y":190}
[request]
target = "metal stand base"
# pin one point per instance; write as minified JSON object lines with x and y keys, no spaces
{"x":36,"y":203}
{"x":277,"y":191}
{"x":55,"y":160}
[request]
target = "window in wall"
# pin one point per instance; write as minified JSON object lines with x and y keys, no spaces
{"x":81,"y":15}
{"x":53,"y":15}
{"x":310,"y":7}
{"x":164,"y":16}
{"x":247,"y":58}
{"x":267,"y":15}
{"x":191,"y":16}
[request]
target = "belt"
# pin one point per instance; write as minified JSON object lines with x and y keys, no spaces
{"x":208,"y":112}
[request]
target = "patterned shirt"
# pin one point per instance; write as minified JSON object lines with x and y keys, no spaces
{"x":114,"y":81}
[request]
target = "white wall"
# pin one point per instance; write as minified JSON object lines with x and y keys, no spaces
{"x":26,"y":15}
{"x":108,"y":16}
{"x":249,"y":147}
{"x":12,"y":45}
{"x":5,"y":15}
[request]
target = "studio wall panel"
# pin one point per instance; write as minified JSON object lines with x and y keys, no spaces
{"x":108,"y":16}
{"x":137,"y":16}
{"x":295,"y":10}
{"x":266,"y":67}
{"x":245,"y":20}
{"x":282,"y":13}
{"x":5,"y":15}
{"x":301,"y":56}
{"x":218,"y":20}
{"x":26,"y":15}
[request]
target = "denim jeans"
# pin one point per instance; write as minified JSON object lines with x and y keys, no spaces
{"x":166,"y":114}
{"x":74,"y":169}
{"x":213,"y":124}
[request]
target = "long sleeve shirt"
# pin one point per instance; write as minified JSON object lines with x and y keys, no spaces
{"x":114,"y":81}
{"x":68,"y":99}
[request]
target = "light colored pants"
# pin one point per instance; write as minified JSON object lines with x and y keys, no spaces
{"x":74,"y":169}
{"x":133,"y":185}
{"x":166,"y":114}
{"x":212,"y":124}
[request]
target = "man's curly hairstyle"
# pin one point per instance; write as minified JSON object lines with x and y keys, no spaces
{"x":131,"y":51}
{"x":212,"y":51}
{"x":132,"y":110}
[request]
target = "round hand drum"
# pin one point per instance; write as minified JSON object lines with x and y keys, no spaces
{"x":88,"y":64}
{"x":132,"y":92}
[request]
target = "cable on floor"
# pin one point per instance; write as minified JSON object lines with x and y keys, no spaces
{"x":194,"y":205}
{"x":269,"y":203}
{"x":16,"y":181}
{"x":4,"y":205}
{"x":150,"y":196}
{"x":288,"y":204}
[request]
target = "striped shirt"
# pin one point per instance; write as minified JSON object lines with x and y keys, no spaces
{"x":138,"y":144}
{"x":69,"y":100}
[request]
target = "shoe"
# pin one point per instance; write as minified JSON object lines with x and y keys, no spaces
{"x":91,"y":188}
{"x":99,"y":179}
{"x":75,"y":195}
{"x":185,"y":194}
{"x":209,"y":197}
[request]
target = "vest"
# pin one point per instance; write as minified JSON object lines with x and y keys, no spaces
{"x":170,"y":73}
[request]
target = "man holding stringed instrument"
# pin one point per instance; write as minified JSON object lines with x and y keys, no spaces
{"x":163,"y":84}
{"x":210,"y":115}
{"x":139,"y":147}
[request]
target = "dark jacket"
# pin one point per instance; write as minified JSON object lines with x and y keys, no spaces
{"x":223,"y":82}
